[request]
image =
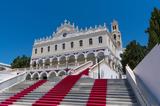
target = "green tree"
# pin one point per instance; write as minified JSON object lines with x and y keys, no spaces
{"x":133,"y":54}
{"x":154,"y":29}
{"x":21,"y":62}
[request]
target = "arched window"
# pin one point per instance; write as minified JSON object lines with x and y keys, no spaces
{"x":114,"y":27}
{"x":119,"y":36}
{"x":114,"y":36}
{"x":90,"y":41}
{"x":42,"y":50}
{"x":72,"y":44}
{"x":100,"y":39}
{"x":35,"y":51}
{"x":55,"y":47}
{"x":63,"y":46}
{"x":81,"y":43}
{"x":48,"y":48}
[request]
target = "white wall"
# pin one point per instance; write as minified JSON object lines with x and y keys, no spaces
{"x":105,"y":71}
{"x":107,"y":43}
{"x":148,"y":70}
{"x":8,"y":82}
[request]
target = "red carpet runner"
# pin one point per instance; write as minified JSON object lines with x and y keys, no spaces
{"x":98,"y":93}
{"x":22,"y":93}
{"x":56,"y":94}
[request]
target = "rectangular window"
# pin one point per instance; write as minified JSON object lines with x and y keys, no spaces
{"x":35,"y":51}
{"x":72,"y":44}
{"x":100,"y":39}
{"x":63,"y":46}
{"x":48,"y":48}
{"x":90,"y":41}
{"x":42,"y":50}
{"x":80,"y":43}
{"x":55,"y":47}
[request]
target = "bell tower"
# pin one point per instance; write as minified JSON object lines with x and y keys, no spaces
{"x":116,"y":34}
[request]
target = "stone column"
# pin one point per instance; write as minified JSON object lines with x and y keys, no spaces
{"x":106,"y":59}
{"x":76,"y":62}
{"x":31,"y":64}
{"x":96,"y":57}
{"x":111,"y":64}
{"x":66,"y":61}
{"x":43,"y":63}
{"x":37,"y":64}
{"x":58,"y":59}
{"x":116,"y":68}
{"x":85,"y":57}
{"x":50,"y":61}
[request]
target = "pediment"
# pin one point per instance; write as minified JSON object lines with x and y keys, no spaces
{"x":64,"y":30}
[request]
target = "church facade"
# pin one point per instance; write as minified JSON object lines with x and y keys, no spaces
{"x":71,"y":46}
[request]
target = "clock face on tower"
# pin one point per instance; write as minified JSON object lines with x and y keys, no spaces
{"x":64,"y":34}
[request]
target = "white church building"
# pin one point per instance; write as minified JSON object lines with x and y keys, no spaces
{"x":70,"y":46}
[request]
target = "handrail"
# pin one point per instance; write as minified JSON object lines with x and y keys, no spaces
{"x":80,"y":66}
{"x":96,"y":65}
{"x":45,"y":67}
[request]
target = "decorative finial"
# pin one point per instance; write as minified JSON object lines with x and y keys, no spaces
{"x":61,"y":24}
{"x":47,"y":38}
{"x":68,"y":22}
{"x":99,"y":26}
{"x":95,"y":26}
{"x":81,"y":29}
{"x":104,"y":25}
{"x":77,"y":28}
{"x":50,"y":37}
{"x":35,"y":40}
{"x":85,"y":28}
{"x":53,"y":33}
{"x":57,"y":29}
{"x":73,"y":24}
{"x":65,"y":21}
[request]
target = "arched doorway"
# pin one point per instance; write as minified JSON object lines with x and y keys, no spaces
{"x":91,"y":57}
{"x":71,"y":60}
{"x":43,"y":75}
{"x":55,"y":62}
{"x":51,"y":75}
{"x":47,"y":62}
{"x":62,"y":61}
{"x":40,"y":63}
{"x":34,"y":64}
{"x":35,"y":76}
{"x":61,"y":73}
{"x":81,"y":59}
{"x":100,"y":56}
{"x":28,"y":76}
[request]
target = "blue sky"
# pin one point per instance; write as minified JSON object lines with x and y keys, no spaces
{"x":22,"y":21}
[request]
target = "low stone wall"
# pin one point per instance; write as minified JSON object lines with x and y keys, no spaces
{"x":12,"y":81}
{"x":143,"y":94}
{"x":80,"y":68}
